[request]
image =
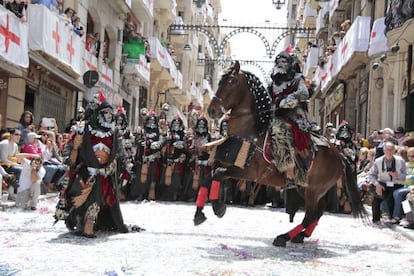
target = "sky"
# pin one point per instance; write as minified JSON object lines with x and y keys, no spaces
{"x":246,"y":46}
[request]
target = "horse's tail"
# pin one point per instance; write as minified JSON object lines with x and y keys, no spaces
{"x":358,"y":209}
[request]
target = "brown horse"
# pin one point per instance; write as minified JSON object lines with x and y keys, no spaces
{"x":250,"y":117}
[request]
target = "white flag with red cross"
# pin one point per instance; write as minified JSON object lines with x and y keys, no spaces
{"x":13,"y":39}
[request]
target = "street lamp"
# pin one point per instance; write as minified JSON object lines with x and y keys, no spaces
{"x":278,"y":3}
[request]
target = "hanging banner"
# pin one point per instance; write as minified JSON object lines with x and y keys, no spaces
{"x":13,"y":39}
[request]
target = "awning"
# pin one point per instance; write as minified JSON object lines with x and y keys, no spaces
{"x":53,"y":69}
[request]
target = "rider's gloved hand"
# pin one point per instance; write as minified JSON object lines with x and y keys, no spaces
{"x":288,"y":103}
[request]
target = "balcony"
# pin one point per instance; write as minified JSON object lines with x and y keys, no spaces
{"x":311,"y":62}
{"x":349,"y":54}
{"x":143,"y":9}
{"x":163,"y":69}
{"x":55,"y":40}
{"x":309,"y":16}
{"x":166,"y":10}
{"x":321,"y":19}
{"x":138,"y":68}
{"x":353,"y":48}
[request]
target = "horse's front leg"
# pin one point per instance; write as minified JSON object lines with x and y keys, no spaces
{"x":219,"y":207}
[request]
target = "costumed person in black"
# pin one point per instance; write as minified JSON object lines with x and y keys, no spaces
{"x":174,"y":161}
{"x":345,"y":143}
{"x":126,"y":166}
{"x":149,"y":156}
{"x":90,"y":202}
{"x":289,"y":94}
{"x":202,"y":174}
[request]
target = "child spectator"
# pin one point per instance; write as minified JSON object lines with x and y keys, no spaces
{"x":29,"y":184}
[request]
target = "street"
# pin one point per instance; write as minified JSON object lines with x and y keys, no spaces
{"x":240,"y":243}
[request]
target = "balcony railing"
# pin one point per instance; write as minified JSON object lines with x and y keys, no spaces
{"x":311,"y":61}
{"x":320,"y":19}
{"x":143,"y":8}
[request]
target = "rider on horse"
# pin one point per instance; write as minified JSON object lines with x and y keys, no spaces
{"x":289,"y":95}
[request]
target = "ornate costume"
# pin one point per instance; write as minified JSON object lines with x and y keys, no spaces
{"x":174,"y":160}
{"x":149,"y":156}
{"x":90,"y":201}
{"x":289,"y":94}
{"x":202,"y":175}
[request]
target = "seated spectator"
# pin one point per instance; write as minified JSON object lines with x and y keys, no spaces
{"x":387,"y":175}
{"x":18,"y":7}
{"x":29,"y":184}
{"x":52,"y":161}
{"x":410,"y":214}
{"x":10,"y":157}
{"x":32,"y":144}
{"x":399,"y":134}
{"x":401,"y":193}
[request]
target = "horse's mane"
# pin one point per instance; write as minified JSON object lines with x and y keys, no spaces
{"x":261,"y":103}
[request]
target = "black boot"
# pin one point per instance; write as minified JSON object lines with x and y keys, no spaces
{"x":219,"y":208}
{"x":199,"y":216}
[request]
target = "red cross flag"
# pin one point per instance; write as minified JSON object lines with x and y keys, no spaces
{"x":378,"y":40}
{"x":13,"y":39}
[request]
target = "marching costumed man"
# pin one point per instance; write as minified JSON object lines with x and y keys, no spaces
{"x":90,"y":202}
{"x":202,"y":175}
{"x":149,"y":156}
{"x":126,"y":166}
{"x":174,"y":160}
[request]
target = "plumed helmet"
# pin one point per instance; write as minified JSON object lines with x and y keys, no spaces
{"x":201,"y":125}
{"x":151,"y":120}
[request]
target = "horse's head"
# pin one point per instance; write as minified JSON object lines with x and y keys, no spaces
{"x":230,"y":92}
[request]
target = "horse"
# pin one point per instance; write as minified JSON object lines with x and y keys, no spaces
{"x":242,"y":95}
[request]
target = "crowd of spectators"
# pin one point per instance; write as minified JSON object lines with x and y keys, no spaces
{"x":385,"y":175}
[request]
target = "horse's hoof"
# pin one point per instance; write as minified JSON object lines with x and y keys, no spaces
{"x":219,"y":209}
{"x":280,"y":241}
{"x":299,"y":238}
{"x":136,"y":228}
{"x":199,"y":218}
{"x":89,"y":236}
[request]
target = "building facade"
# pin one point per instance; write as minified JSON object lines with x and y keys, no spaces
{"x":358,"y":75}
{"x":126,"y":51}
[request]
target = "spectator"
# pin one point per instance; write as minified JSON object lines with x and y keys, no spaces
{"x":90,"y":44}
{"x":9,"y":152}
{"x":50,"y":4}
{"x":18,"y":7}
{"x":30,"y":179}
{"x":399,"y":135}
{"x":387,"y":175}
{"x":387,"y":134}
{"x":97,"y":44}
{"x":401,"y":193}
{"x":32,"y":144}
{"x":410,"y":215}
{"x":25,"y":126}
{"x":52,"y":161}
{"x":77,"y":28}
{"x":67,"y":15}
